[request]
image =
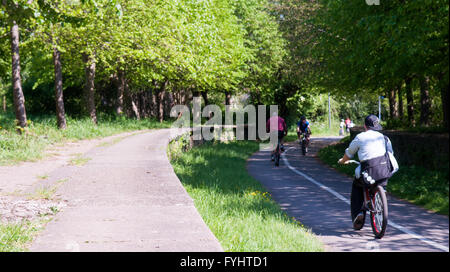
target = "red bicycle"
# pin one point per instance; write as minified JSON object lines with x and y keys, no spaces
{"x":375,"y":202}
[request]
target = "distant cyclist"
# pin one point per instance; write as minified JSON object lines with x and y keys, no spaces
{"x":303,"y":128}
{"x":276,"y":124}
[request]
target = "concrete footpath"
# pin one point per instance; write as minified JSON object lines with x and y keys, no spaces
{"x":126,"y":197}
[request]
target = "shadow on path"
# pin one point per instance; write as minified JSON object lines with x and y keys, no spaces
{"x":328,"y":216}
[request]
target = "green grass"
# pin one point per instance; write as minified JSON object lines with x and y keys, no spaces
{"x":318,"y":129}
{"x":235,"y":206}
{"x":79,"y":160}
{"x":427,"y":188}
{"x":16,"y":237}
{"x":42,"y":132}
{"x":44,"y":192}
{"x":321,"y":129}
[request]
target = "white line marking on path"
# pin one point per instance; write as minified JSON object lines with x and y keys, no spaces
{"x":339,"y":196}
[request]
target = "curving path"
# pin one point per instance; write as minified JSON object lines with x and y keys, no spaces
{"x":318,"y":196}
{"x":125,"y":198}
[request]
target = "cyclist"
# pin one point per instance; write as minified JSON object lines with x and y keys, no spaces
{"x":370,"y":145}
{"x":276,"y":124}
{"x":303,"y":127}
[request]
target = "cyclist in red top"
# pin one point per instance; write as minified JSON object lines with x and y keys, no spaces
{"x":276,"y":124}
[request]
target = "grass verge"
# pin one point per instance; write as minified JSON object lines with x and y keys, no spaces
{"x":16,"y":237}
{"x":235,"y":206}
{"x":42,"y":131}
{"x":318,"y":129}
{"x":427,"y":188}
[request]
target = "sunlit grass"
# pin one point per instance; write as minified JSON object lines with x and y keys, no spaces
{"x":16,"y":237}
{"x":318,"y":129}
{"x":236,"y":208}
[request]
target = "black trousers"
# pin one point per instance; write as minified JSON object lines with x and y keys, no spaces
{"x":357,"y":196}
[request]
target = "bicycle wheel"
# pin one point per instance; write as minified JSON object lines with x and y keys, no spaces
{"x":277,"y":155}
{"x":303,"y":147}
{"x":379,"y":212}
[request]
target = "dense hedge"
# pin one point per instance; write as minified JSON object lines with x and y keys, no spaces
{"x":429,"y":150}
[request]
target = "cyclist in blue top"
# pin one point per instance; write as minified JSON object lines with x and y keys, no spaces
{"x":303,"y":127}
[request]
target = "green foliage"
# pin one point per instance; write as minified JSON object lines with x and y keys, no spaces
{"x":215,"y":45}
{"x":288,"y":52}
{"x":350,"y":48}
{"x":178,"y":146}
{"x":15,"y":237}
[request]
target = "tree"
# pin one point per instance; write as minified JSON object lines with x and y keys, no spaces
{"x":265,"y":44}
{"x":16,"y":13}
{"x":357,"y":47}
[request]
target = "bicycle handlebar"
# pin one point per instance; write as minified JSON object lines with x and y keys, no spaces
{"x":352,"y":161}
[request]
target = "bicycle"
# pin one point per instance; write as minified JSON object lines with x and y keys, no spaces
{"x":305,"y":144}
{"x":375,"y":202}
{"x":277,"y":153}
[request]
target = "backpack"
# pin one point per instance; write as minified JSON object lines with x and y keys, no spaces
{"x":392,"y":160}
{"x":379,"y":168}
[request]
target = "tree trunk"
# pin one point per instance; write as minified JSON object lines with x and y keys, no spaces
{"x":425,"y":101}
{"x":161,"y":95}
{"x":131,"y":102}
{"x":400,"y":102}
{"x":170,"y":101}
{"x":19,"y":99}
{"x":205,"y":97}
{"x":444,"y":98}
{"x":89,"y":88}
{"x":410,"y":102}
{"x":393,"y":105}
{"x":120,"y":91}
{"x":195,"y":94}
{"x":154,"y":110}
{"x":135,"y":107}
{"x":60,"y":112}
{"x":4,"y":103}
{"x":227,"y":98}
{"x":143,"y":104}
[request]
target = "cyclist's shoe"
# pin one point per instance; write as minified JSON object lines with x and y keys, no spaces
{"x":358,"y":222}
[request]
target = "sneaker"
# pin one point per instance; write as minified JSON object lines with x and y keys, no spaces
{"x":358,"y":222}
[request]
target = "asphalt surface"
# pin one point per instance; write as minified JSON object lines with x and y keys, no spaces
{"x":125,"y":198}
{"x":318,"y":196}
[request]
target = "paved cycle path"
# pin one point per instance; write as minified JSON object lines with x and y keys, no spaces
{"x":318,"y":196}
{"x":125,"y":198}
